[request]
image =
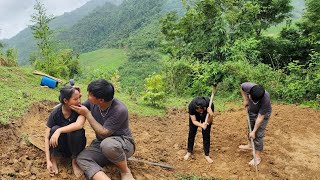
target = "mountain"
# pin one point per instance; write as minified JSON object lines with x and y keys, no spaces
{"x":108,"y":25}
{"x":25,"y":43}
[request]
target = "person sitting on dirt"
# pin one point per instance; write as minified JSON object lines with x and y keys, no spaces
{"x":114,"y":143}
{"x":65,"y":134}
{"x":198,"y":109}
{"x":257,"y":99}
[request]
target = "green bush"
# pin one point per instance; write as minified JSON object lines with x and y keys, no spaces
{"x":154,"y":90}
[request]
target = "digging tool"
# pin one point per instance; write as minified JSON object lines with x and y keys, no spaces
{"x":252,"y":143}
{"x":41,"y":147}
{"x":152,"y":163}
{"x":43,"y":74}
{"x":214,"y":89}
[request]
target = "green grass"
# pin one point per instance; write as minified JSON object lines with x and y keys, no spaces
{"x":274,"y":31}
{"x":110,"y":58}
{"x":19,"y":90}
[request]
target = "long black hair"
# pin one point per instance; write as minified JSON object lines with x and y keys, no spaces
{"x":66,"y":93}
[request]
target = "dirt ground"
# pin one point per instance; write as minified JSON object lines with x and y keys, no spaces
{"x":292,"y":146}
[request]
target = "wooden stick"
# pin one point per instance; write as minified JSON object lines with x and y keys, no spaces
{"x":252,"y":144}
{"x":41,"y":147}
{"x":214,"y":89}
{"x":151,"y":163}
{"x":43,"y":74}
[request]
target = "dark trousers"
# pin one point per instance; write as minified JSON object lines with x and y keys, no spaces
{"x":69,"y":144}
{"x":205,"y":135}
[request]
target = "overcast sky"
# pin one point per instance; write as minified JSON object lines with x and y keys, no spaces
{"x":15,"y":14}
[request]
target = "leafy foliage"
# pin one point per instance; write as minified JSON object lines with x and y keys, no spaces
{"x":60,"y":64}
{"x":154,"y":93}
{"x":98,"y":30}
{"x":8,"y":57}
{"x":210,"y":27}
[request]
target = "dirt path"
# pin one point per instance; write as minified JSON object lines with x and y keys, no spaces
{"x":292,"y":149}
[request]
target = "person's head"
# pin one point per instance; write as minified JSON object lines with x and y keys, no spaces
{"x":201,"y":104}
{"x":256,"y":93}
{"x":70,"y":95}
{"x":100,"y":91}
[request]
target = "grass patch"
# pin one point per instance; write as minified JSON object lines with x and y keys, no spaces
{"x":111,"y":58}
{"x":19,"y":90}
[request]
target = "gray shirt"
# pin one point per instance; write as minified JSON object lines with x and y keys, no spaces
{"x":263,"y":106}
{"x":115,"y":118}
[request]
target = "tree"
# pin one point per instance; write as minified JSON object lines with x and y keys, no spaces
{"x":59,"y":63}
{"x":310,"y":24}
{"x":42,"y":33}
{"x":210,"y":27}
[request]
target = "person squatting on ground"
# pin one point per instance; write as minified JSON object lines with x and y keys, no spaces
{"x":64,"y":133}
{"x":198,"y":109}
{"x":114,"y":143}
{"x":257,"y":99}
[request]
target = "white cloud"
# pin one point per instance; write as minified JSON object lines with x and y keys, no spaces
{"x":15,"y":14}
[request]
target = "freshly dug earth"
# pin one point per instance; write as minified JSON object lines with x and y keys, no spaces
{"x":292,"y":149}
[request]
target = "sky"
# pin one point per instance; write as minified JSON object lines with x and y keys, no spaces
{"x":15,"y":14}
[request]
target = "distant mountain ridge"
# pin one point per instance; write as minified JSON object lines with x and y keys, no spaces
{"x":25,"y":43}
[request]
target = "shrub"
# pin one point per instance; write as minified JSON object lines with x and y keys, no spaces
{"x":154,"y":90}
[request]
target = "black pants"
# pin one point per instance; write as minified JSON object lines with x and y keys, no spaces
{"x":69,"y":144}
{"x":205,"y":135}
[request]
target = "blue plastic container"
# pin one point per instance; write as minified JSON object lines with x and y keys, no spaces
{"x":46,"y":81}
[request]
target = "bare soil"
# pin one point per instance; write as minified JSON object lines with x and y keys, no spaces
{"x":292,"y":146}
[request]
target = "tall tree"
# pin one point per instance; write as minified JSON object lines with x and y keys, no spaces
{"x":210,"y":27}
{"x":43,"y":35}
{"x":310,"y":24}
{"x":60,"y":63}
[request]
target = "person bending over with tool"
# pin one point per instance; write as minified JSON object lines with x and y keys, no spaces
{"x":257,"y":101}
{"x":198,"y":109}
{"x":114,"y":143}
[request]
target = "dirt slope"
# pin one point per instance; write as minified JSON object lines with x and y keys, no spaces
{"x":292,"y":149}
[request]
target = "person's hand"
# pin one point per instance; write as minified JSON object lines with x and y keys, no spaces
{"x":245,"y":103}
{"x":81,"y":109}
{"x":252,"y":135}
{"x":54,"y":138}
{"x":209,"y":111}
{"x":204,"y":125}
{"x":50,"y":168}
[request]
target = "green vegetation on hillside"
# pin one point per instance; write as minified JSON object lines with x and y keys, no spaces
{"x":25,"y":43}
{"x":111,"y":58}
{"x":19,"y":90}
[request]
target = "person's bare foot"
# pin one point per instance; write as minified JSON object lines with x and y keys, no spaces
{"x":246,"y":147}
{"x":258,"y":161}
{"x":208,"y":159}
{"x":187,"y":156}
{"x":127,"y":176}
{"x":54,"y":165}
{"x":76,"y":169}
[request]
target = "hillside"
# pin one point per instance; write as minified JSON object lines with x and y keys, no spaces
{"x":98,"y":30}
{"x":19,"y":89}
{"x":25,"y":43}
{"x":110,"y":58}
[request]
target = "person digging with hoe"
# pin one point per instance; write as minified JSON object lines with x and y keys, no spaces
{"x":198,"y":109}
{"x":114,"y":143}
{"x":257,"y":102}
